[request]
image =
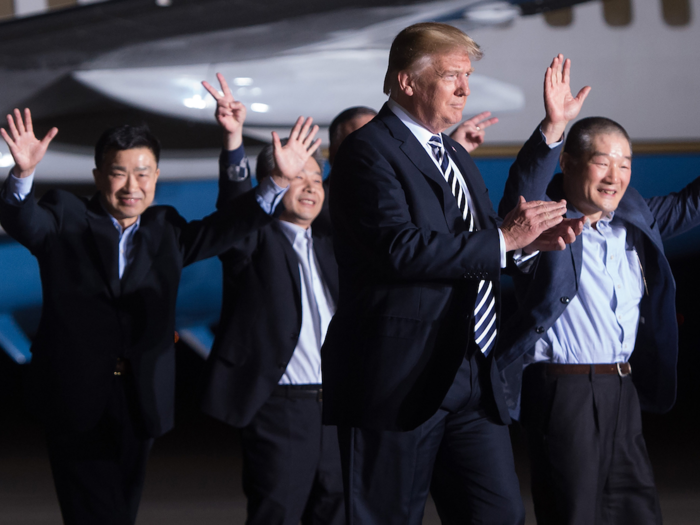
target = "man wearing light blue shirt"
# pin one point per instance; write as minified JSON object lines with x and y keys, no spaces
{"x":596,"y":325}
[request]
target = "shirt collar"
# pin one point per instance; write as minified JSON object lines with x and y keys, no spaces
{"x":422,"y":133}
{"x":129,"y":229}
{"x":292,"y":231}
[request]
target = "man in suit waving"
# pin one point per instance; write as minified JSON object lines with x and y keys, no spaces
{"x":408,"y":361}
{"x":264,"y":372}
{"x":104,"y":357}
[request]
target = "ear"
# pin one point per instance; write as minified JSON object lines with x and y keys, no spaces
{"x":406,"y":83}
{"x":566,"y":162}
{"x":97,"y":176}
{"x":156,"y":175}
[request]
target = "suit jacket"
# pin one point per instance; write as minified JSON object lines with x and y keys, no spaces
{"x":409,"y":272}
{"x":260,"y":316}
{"x":90,"y":317}
{"x":544,"y":292}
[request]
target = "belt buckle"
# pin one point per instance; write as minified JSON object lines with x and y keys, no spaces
{"x":619,"y":369}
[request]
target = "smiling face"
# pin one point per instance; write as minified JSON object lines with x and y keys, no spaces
{"x":595,"y":184}
{"x":304,"y":199}
{"x":127,"y":183}
{"x":436,"y":94}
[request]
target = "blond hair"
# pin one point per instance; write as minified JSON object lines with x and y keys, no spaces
{"x":425,"y":40}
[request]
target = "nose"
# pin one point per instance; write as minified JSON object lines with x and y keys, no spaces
{"x":131,"y":183}
{"x":463,"y":86}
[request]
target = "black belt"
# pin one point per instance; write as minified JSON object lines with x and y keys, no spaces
{"x":556,"y":369}
{"x":299,"y":391}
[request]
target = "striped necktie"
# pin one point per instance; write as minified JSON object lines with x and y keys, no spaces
{"x":485,"y":309}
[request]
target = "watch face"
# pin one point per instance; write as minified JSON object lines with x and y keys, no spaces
{"x":237,"y":173}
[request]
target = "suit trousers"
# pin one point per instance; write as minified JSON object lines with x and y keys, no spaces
{"x":291,"y":465}
{"x":589,"y":462}
{"x":99,"y":474}
{"x":461,"y":455}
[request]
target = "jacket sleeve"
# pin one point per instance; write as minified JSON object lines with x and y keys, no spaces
{"x":677,"y":212}
{"x":32,"y":223}
{"x":234,"y":226}
{"x":531,"y":173}
{"x":234,"y":178}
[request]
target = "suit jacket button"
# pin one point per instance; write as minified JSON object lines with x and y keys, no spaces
{"x":539,"y":329}
{"x":565,"y":300}
{"x":282,"y":365}
{"x":294,"y":337}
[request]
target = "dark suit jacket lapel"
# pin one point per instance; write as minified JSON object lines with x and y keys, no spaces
{"x":290,"y":257}
{"x":415,"y":151}
{"x":146,"y":244}
{"x":555,"y":191}
{"x":323,"y":249}
{"x":106,"y":239}
{"x":481,"y":207}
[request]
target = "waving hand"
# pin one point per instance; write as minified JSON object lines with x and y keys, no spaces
{"x":560,"y":105}
{"x":26,"y":149}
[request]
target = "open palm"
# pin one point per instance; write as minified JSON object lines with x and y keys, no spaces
{"x":26,"y":149}
{"x":291,"y":158}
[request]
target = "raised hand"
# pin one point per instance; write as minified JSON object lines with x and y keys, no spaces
{"x":560,"y":105}
{"x":26,"y":149}
{"x":470,"y":133}
{"x":291,"y":158}
{"x":230,"y":113}
{"x":528,"y":220}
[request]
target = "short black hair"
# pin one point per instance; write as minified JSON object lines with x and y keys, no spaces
{"x":124,"y":137}
{"x":346,"y":116}
{"x":579,"y":143}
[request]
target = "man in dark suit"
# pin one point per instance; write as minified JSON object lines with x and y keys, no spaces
{"x":596,"y":323}
{"x":264,"y":372}
{"x":103,"y":358}
{"x":408,"y":371}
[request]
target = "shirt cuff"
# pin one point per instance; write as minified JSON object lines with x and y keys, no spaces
{"x":269,"y":195}
{"x":17,"y":189}
{"x":523,"y":261}
{"x":502,"y":244}
{"x":553,"y":144}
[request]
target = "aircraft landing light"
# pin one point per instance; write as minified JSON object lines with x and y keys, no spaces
{"x":259,"y":108}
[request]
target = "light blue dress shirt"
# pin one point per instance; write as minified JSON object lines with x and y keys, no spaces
{"x":600,"y":323}
{"x":317,"y":308}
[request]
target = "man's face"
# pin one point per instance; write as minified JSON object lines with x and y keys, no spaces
{"x":595,"y":185}
{"x":304,"y":199}
{"x":127,"y":183}
{"x":440,"y":90}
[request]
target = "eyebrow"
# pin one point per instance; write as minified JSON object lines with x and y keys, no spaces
{"x":138,"y":168}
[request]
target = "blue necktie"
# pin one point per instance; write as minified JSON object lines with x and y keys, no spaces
{"x":485,"y":308}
